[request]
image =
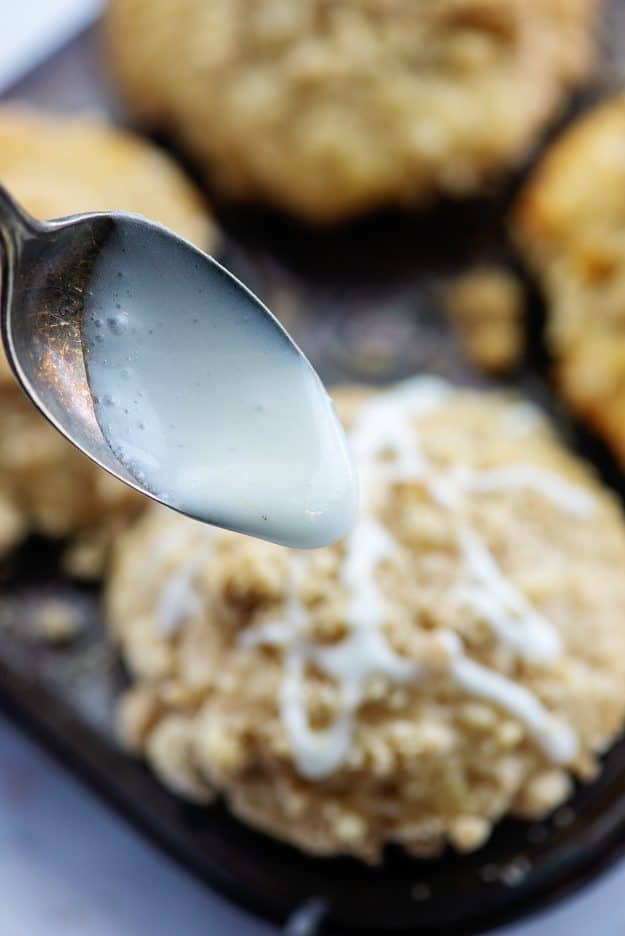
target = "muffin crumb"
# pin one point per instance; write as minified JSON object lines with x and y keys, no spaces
{"x":57,"y":622}
{"x":486,"y":309}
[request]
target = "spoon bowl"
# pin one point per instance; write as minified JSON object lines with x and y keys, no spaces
{"x":71,"y":287}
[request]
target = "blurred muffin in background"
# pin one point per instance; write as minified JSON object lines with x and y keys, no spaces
{"x":330,"y":108}
{"x":570,"y":227}
{"x":57,"y":166}
{"x":457,"y":657}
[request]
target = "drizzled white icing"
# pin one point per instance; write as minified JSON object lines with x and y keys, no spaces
{"x":387,"y":450}
{"x":178,"y":602}
{"x":520,"y":418}
{"x":363,"y":653}
{"x":570,"y":497}
{"x":178,"y":598}
{"x":502,"y":606}
{"x":319,"y":752}
{"x":554,"y":736}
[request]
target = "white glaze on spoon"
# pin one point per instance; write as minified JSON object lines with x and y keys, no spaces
{"x":208,"y":404}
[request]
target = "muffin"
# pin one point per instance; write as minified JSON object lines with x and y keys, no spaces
{"x":459,"y":656}
{"x":570,"y":227}
{"x":330,"y":108}
{"x":57,"y":166}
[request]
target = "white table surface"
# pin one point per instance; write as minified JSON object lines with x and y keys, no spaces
{"x":30,"y":30}
{"x":68,"y":864}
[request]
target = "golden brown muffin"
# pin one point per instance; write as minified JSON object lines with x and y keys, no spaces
{"x":458,"y":657}
{"x":570,"y":227}
{"x":329,"y":108}
{"x":57,"y":166}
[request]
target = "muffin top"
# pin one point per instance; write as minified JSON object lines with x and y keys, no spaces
{"x":60,"y":165}
{"x":570,"y":227}
{"x":329,"y":109}
{"x":450,"y":660}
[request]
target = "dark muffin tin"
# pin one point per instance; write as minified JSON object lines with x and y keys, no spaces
{"x":363,"y":302}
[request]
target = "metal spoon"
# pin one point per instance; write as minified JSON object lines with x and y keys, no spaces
{"x":48,"y":270}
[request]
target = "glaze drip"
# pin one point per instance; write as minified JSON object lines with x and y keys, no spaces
{"x":553,"y":735}
{"x":502,"y":606}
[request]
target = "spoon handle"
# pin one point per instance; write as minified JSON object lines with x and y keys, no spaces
{"x":16,"y":225}
{"x":14,"y":221}
{"x":10,"y":234}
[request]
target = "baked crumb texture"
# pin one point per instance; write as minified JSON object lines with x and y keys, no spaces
{"x":459,"y":656}
{"x":57,"y":622}
{"x":570,"y":227}
{"x":57,"y":166}
{"x":486,"y":309}
{"x":330,"y":108}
